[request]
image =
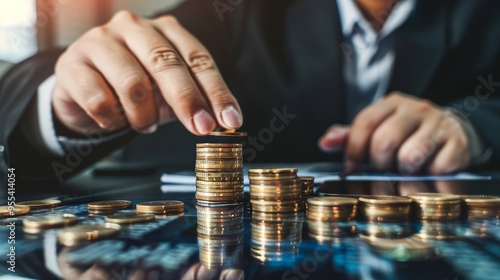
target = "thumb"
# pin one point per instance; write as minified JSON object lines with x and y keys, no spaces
{"x":334,"y":138}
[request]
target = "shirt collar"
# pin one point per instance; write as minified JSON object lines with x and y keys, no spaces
{"x":351,"y":17}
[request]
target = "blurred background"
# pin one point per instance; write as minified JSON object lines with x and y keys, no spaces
{"x":27,"y":26}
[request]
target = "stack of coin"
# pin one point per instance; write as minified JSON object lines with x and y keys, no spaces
{"x":275,"y":236}
{"x":41,"y":203}
{"x":332,"y":208}
{"x":385,"y":208}
{"x":107,"y":207}
{"x":307,"y":187}
{"x":219,"y":173}
{"x":160,"y":207}
{"x":220,"y":235}
{"x":436,"y":207}
{"x":481,"y":207}
{"x":79,"y":234}
{"x":276,"y":190}
{"x":36,"y":224}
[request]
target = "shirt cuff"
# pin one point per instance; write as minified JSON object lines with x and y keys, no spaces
{"x":45,"y":117}
{"x":58,"y":144}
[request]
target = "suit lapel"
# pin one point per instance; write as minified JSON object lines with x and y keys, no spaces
{"x":313,"y":39}
{"x":419,"y":48}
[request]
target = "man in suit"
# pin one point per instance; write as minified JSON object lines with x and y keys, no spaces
{"x":409,"y":86}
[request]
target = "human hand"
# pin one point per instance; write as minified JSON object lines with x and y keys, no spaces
{"x":403,"y":132}
{"x":107,"y":79}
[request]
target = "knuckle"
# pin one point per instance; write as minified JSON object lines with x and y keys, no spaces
{"x":97,"y":107}
{"x":186,"y":96}
{"x":220,"y":96}
{"x":381,"y":144}
{"x":124,"y":16}
{"x":99,"y":32}
{"x":163,"y":58}
{"x":134,"y":87}
{"x":167,"y":20}
{"x":200,"y":61}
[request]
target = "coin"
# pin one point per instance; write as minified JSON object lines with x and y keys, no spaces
{"x":227,"y":133}
{"x":36,"y":223}
{"x":13,"y":211}
{"x":41,"y":203}
{"x":436,"y":206}
{"x":332,"y":201}
{"x":385,"y":208}
{"x":129,"y":218}
{"x":272,"y":171}
{"x":75,"y":235}
{"x":161,"y":205}
{"x":218,"y":145}
{"x":109,"y":205}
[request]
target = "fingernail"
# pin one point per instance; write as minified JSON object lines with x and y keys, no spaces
{"x":231,"y":117}
{"x":337,"y":133}
{"x":150,"y":129}
{"x":203,"y":122}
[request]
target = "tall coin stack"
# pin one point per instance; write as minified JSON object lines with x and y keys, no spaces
{"x":276,"y":190}
{"x":219,"y":173}
{"x":220,"y":236}
{"x":436,"y":206}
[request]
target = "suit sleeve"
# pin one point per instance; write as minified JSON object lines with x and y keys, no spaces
{"x":18,"y":91}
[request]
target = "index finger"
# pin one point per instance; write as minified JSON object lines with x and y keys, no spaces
{"x":204,"y":70}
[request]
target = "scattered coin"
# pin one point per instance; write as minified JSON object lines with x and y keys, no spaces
{"x":41,"y":203}
{"x":35,"y":224}
{"x":14,"y":210}
{"x":78,"y":234}
{"x":160,"y":207}
{"x":129,"y":218}
{"x":109,"y":205}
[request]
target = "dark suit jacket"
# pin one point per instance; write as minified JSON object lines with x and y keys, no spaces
{"x":288,"y":55}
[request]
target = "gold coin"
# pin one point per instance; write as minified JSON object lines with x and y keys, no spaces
{"x":271,"y":171}
{"x":129,"y":218}
{"x":219,"y":194}
{"x":385,"y":199}
{"x":482,"y":200}
{"x":219,"y":145}
{"x":41,"y":203}
{"x":205,"y":156}
{"x":227,"y":133}
{"x":49,"y":221}
{"x":14,"y":210}
{"x":160,"y":205}
{"x":332,"y":201}
{"x":109,"y":205}
{"x":219,"y":198}
{"x":432,"y":198}
{"x":75,"y":235}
